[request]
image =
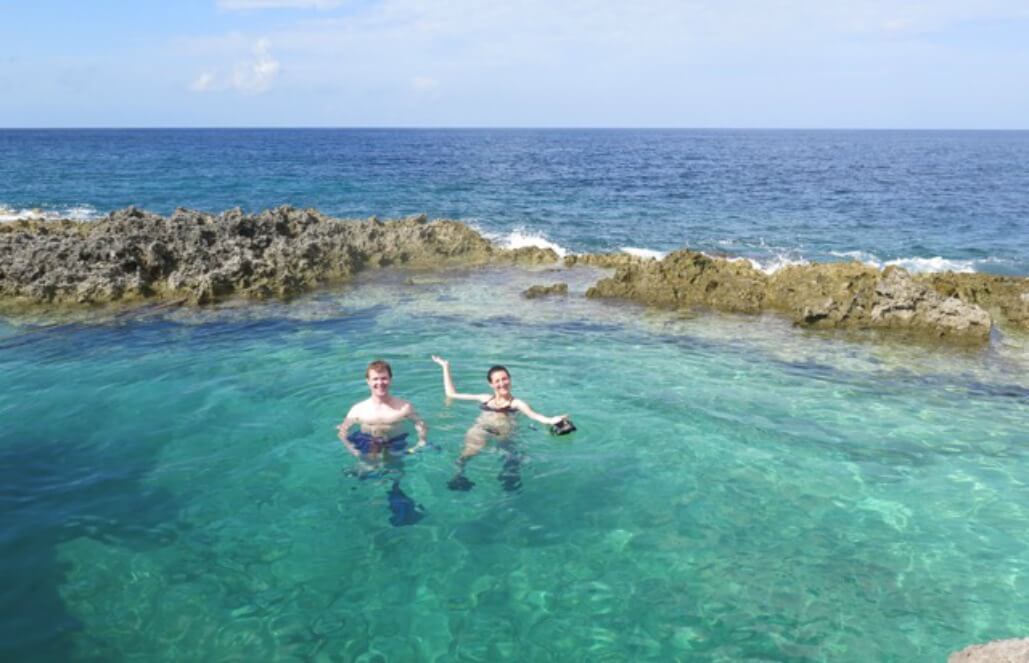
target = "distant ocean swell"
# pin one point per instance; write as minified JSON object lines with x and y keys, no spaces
{"x":926,"y":201}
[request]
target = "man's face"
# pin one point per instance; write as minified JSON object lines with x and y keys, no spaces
{"x":378,"y":382}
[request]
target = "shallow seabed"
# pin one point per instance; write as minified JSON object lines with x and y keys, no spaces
{"x":737,"y":490}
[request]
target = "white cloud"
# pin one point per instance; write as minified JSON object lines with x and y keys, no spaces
{"x":606,"y":62}
{"x":251,"y":76}
{"x":256,"y":76}
{"x":246,"y":5}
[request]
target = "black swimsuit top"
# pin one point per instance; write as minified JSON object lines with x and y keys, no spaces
{"x":507,"y":409}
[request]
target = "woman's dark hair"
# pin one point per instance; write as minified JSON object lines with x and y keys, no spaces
{"x":494,"y":369}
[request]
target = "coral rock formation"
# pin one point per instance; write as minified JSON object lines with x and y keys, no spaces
{"x":838,"y":295}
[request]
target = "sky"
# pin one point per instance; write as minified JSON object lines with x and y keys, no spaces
{"x":936,"y":64}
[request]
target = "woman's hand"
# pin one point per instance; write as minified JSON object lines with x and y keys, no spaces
{"x":441,"y":361}
{"x":558,"y":419}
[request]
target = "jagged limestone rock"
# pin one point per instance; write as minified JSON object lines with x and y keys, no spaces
{"x":545,"y":290}
{"x":1005,"y":297}
{"x":201,"y":258}
{"x":610,"y":260}
{"x":837,"y":295}
{"x":198,"y":258}
{"x":685,"y":279}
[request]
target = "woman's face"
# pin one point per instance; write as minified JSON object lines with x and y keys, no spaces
{"x":501,"y":382}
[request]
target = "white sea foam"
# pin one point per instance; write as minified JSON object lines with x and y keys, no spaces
{"x":769,"y":264}
{"x":936,"y":264}
{"x":10,"y":214}
{"x":80,"y":213}
{"x":914,"y":265}
{"x":521,"y":238}
{"x":644,"y":253}
{"x":773,"y":264}
{"x":860,"y":256}
{"x":76,"y":213}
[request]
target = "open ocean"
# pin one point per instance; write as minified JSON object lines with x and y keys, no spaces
{"x":172,"y":487}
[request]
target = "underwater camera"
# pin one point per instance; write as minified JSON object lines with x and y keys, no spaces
{"x":563,"y":427}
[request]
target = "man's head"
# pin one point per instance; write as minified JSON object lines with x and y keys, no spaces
{"x":378,"y":375}
{"x":378,"y":365}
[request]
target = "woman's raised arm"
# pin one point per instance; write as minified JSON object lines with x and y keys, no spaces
{"x":448,"y":383}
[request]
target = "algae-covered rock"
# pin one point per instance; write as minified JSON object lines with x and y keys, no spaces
{"x":545,"y":290}
{"x":856,"y":296}
{"x":838,"y":295}
{"x":526,"y":255}
{"x":1005,"y":297}
{"x":684,"y":279}
{"x":609,"y":260}
{"x":199,"y":258}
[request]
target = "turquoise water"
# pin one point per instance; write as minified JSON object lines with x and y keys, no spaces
{"x":737,"y":490}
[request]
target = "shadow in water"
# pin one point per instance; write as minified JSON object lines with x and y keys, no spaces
{"x":53,"y":491}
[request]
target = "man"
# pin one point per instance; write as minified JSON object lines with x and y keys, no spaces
{"x":381,"y":437}
{"x":381,"y":417}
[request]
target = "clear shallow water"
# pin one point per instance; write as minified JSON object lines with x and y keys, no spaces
{"x":931,"y":200}
{"x":173,"y":488}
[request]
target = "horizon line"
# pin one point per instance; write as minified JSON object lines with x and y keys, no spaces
{"x":484,"y":128}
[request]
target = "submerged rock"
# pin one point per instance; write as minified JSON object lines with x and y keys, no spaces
{"x":837,"y":295}
{"x":200,"y":258}
{"x":545,"y":290}
{"x":999,"y":651}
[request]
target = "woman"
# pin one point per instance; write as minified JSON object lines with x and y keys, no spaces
{"x":497,"y":420}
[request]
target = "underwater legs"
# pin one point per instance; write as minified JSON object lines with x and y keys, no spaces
{"x":510,"y":476}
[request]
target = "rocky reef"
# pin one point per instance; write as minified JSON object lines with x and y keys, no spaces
{"x":1006,"y":297}
{"x":951,"y":307}
{"x":537,"y":291}
{"x":999,"y":651}
{"x":199,"y":258}
{"x":608,"y":260}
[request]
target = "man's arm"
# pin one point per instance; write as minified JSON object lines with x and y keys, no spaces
{"x":419,"y":425}
{"x":343,"y":428}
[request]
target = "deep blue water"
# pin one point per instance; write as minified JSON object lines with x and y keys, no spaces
{"x":879,"y":196}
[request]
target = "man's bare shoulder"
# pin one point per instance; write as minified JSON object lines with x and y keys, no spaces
{"x":400,"y":405}
{"x":361,"y":409}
